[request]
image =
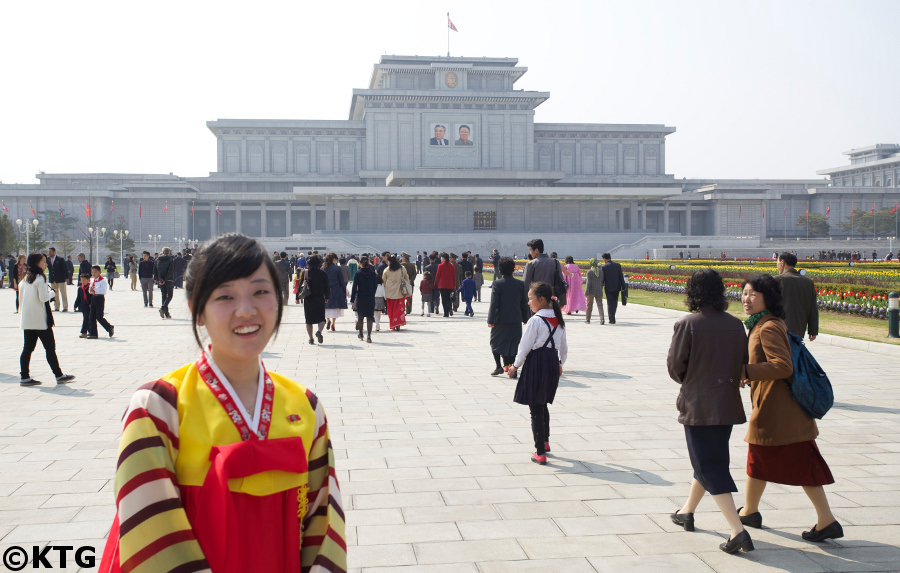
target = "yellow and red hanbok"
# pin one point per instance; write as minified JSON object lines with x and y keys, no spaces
{"x":201,"y":485}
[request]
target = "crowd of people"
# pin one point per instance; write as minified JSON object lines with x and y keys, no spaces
{"x":238,"y":294}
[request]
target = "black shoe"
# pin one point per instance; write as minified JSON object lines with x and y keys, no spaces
{"x":151,"y":305}
{"x":753,"y":519}
{"x":168,"y":315}
{"x":319,"y":337}
{"x":64,"y":379}
{"x":92,"y":337}
{"x":112,"y":330}
{"x":145,"y":306}
{"x":83,"y":335}
{"x":497,"y":372}
{"x":311,"y":341}
{"x":29,"y":382}
{"x":740,"y":541}
{"x":832,"y":531}
{"x":360,"y":335}
{"x":162,"y":313}
{"x":368,"y":339}
{"x":686,"y":520}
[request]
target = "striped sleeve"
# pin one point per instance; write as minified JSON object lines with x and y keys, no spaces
{"x":154,"y":531}
{"x":323,"y":547}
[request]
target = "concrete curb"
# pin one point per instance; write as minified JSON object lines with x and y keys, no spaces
{"x":822,"y":339}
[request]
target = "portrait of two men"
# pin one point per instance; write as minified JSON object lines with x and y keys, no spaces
{"x":463,"y":132}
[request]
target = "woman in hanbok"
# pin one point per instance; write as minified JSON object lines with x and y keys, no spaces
{"x":224,"y":466}
{"x":395,"y":301}
{"x":575,"y":300}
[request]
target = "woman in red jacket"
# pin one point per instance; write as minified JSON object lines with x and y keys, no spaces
{"x":445,"y":282}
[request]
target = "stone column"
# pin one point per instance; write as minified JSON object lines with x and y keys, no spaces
{"x":644,"y":217}
{"x":620,"y":219}
{"x":666,"y":217}
{"x":213,"y":221}
{"x":633,"y":216}
{"x":288,"y":227}
{"x":687,"y":223}
{"x":263,"y":230}
{"x":237,"y":217}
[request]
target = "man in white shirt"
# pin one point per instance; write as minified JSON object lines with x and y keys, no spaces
{"x":98,"y":289}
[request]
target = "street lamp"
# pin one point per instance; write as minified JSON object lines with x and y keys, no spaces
{"x":96,"y":232}
{"x":24,"y":227}
{"x":121,"y":234}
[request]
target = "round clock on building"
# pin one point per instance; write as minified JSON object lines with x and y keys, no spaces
{"x":451,"y":79}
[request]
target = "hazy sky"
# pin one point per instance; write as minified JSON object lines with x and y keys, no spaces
{"x":755,"y":88}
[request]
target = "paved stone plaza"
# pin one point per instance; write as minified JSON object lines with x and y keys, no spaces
{"x":433,"y":455}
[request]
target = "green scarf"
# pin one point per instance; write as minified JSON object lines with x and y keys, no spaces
{"x":594,"y":267}
{"x":751,"y":322}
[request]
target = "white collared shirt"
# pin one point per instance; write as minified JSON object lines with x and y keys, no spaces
{"x":99,"y":286}
{"x":252,"y":421}
{"x":535,"y":335}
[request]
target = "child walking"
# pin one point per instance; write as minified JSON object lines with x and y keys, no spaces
{"x":83,"y":304}
{"x":542,"y":352}
{"x":426,"y":289}
{"x":467,"y":289}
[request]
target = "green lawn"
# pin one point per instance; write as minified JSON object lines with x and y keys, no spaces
{"x":829,"y":322}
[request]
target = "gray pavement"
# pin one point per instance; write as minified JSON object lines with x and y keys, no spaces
{"x":433,"y":455}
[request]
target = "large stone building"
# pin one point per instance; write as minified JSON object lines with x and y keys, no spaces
{"x":445,"y":153}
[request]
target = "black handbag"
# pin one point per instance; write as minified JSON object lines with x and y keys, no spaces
{"x":304,"y":287}
{"x":560,"y":286}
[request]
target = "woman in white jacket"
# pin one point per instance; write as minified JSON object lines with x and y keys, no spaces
{"x":37,"y":321}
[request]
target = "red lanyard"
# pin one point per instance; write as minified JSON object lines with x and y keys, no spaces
{"x":227,"y":400}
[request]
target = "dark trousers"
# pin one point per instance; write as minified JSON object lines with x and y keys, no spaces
{"x":469,"y":310}
{"x":85,"y":320}
{"x":285,"y":291}
{"x":445,"y":299}
{"x":540,"y":426}
{"x":612,"y":302}
{"x":147,"y":286}
{"x":98,"y":304}
{"x":408,"y":305}
{"x":166,"y":289}
{"x":49,"y":343}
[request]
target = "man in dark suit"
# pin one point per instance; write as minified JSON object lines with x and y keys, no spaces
{"x":798,"y":294}
{"x":70,"y":270}
{"x":438,"y":139}
{"x":613,"y":283}
{"x":284,"y":273}
{"x":56,"y":266}
{"x":507,"y":313}
{"x":84,"y":265}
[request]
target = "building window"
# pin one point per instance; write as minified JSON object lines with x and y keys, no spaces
{"x":568,"y":161}
{"x":546,"y":161}
{"x":888,"y":182}
{"x":630,"y":160}
{"x":609,"y":161}
{"x":279,"y":158}
{"x":650,"y":157}
{"x":256,"y":158}
{"x":484,"y":220}
{"x":233,"y":158}
{"x":588,"y":154}
{"x":320,"y":219}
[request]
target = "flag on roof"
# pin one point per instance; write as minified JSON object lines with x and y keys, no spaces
{"x":450,"y":24}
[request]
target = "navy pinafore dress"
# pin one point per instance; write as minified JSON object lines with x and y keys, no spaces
{"x":539,"y":377}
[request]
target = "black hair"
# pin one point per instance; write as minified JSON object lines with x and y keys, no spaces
{"x":536,"y":244}
{"x":445,"y":256}
{"x":432,"y":257}
{"x":84,"y":276}
{"x":507,"y":266}
{"x":32,"y":262}
{"x":545,"y":291}
{"x":606,"y":256}
{"x":553,"y":255}
{"x":468,"y":273}
{"x":767,"y":286}
{"x":314,"y":262}
{"x":570,"y":260}
{"x":705,"y":288}
{"x":393,"y":263}
{"x":342,"y":261}
{"x":427,"y":275}
{"x":229,"y":257}
{"x":364,"y":261}
{"x":465,"y":255}
{"x":466,"y":126}
{"x":789,"y":259}
{"x":99,"y":270}
{"x":283,"y":254}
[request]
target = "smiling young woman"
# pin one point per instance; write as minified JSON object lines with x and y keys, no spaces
{"x":223,"y":465}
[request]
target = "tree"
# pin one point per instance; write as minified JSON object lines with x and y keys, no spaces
{"x":7,"y":235}
{"x":55,"y":226}
{"x":818,"y":224}
{"x":863,"y":223}
{"x":35,"y":242}
{"x":64,"y":245}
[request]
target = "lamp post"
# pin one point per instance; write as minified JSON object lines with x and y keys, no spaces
{"x":121,"y":234}
{"x":96,"y":232}
{"x":25,"y":227}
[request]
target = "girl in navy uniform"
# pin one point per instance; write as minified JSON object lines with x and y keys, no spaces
{"x":541,"y":354}
{"x":83,"y":304}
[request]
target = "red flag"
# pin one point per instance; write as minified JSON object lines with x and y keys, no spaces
{"x":828,"y":210}
{"x":5,"y":208}
{"x":58,"y":204}
{"x":192,"y":208}
{"x":851,"y":209}
{"x":140,"y":211}
{"x":764,"y":210}
{"x":217,"y":208}
{"x":873,"y":208}
{"x":894,"y":210}
{"x":739,"y":210}
{"x":87,"y":209}
{"x":35,"y":214}
{"x":112,"y":205}
{"x":166,"y":208}
{"x":450,"y":24}
{"x":807,"y":208}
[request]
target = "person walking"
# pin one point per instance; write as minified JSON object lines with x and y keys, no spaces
{"x":507,"y":313}
{"x":575,"y":300}
{"x":460,"y":276}
{"x":426,"y":293}
{"x":164,"y":275}
{"x":394,"y":294}
{"x":445,"y":281}
{"x":412,"y":273}
{"x":706,"y":356}
{"x":132,"y":271}
{"x":337,"y":300}
{"x":362,"y":295}
{"x":541,"y":355}
{"x":781,"y":435}
{"x":83,"y":304}
{"x":37,"y":320}
{"x":98,"y":289}
{"x":227,"y":418}
{"x":467,"y":291}
{"x":540,"y":268}
{"x":146,"y":271}
{"x":58,"y":274}
{"x":70,"y":270}
{"x":593,"y":292}
{"x":798,"y":293}
{"x":478,"y":275}
{"x":180,"y":266}
{"x":495,"y":263}
{"x":110,"y":267}
{"x":19,"y":273}
{"x":613,"y":283}
{"x":283,"y":266}
{"x":319,"y":293}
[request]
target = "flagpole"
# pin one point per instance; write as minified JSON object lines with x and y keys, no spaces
{"x":448,"y":34}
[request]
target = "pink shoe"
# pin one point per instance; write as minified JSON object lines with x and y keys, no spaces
{"x":539,"y":459}
{"x":546,"y":446}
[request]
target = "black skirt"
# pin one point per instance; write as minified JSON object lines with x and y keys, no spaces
{"x":505,"y":338}
{"x":708,"y":450}
{"x":314,"y":309}
{"x":538,"y":378}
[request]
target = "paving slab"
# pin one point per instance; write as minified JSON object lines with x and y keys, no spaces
{"x":433,"y":455}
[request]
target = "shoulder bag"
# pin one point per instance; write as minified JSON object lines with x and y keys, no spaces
{"x":810,"y":386}
{"x":304,"y":286}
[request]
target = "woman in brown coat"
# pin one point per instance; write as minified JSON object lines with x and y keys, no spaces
{"x":781,"y":436}
{"x":708,"y":351}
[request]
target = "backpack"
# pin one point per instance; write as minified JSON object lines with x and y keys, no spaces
{"x":810,"y":386}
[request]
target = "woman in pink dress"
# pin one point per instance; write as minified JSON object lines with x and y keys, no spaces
{"x":575,"y":300}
